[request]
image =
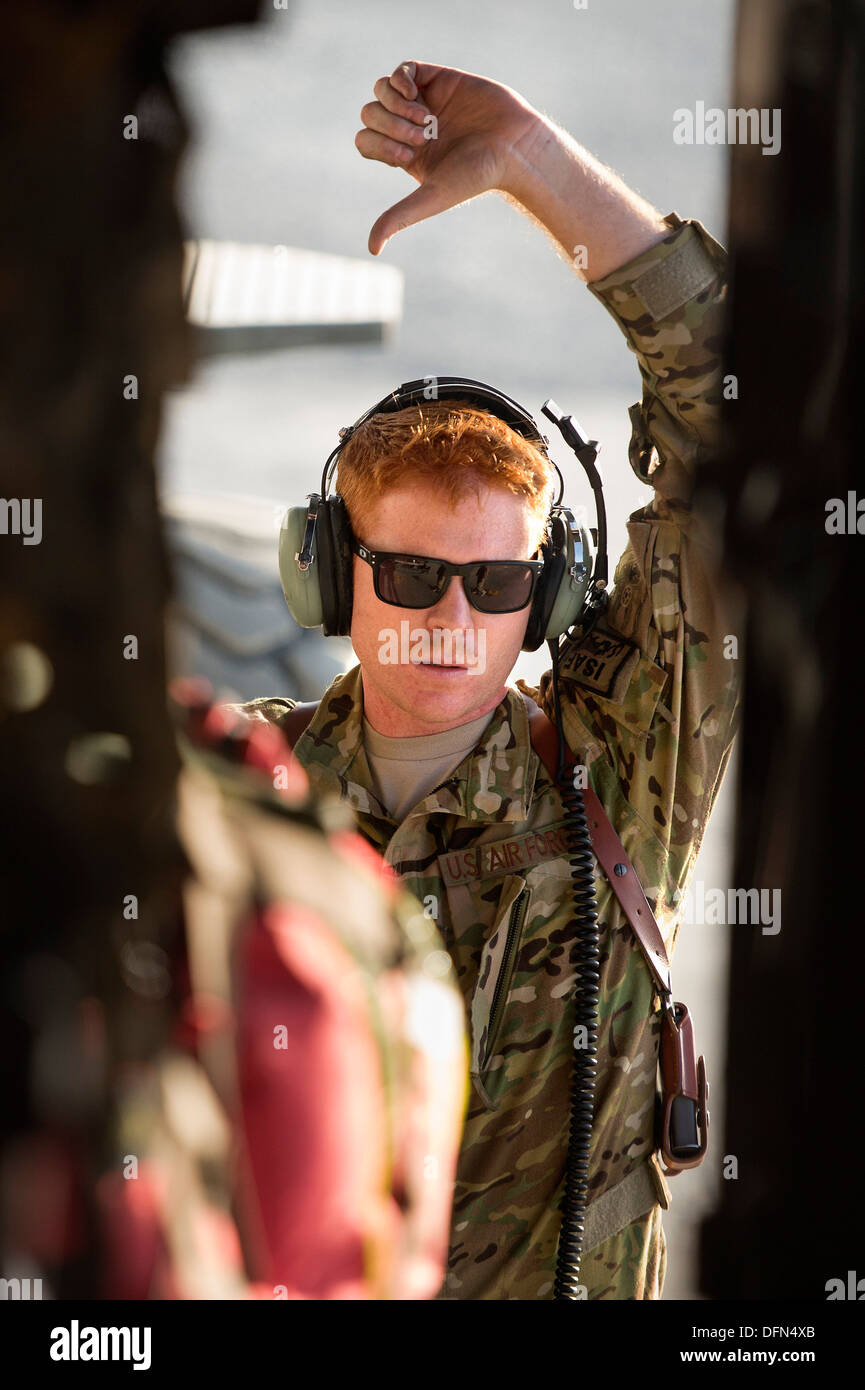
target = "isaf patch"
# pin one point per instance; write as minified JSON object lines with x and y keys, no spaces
{"x":603,"y":661}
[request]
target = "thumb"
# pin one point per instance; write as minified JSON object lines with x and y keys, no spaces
{"x":424,"y":202}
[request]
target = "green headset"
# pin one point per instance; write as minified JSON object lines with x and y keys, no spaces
{"x":315,"y":541}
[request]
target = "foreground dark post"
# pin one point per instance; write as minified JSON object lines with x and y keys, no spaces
{"x":790,"y":1219}
{"x":92,"y":335}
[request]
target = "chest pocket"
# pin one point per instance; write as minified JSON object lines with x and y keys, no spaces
{"x":494,"y":977}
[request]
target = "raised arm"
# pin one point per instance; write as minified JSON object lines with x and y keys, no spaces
{"x":460,"y":135}
{"x":651,"y":696}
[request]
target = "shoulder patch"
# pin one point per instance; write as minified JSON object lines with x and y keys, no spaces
{"x":603,"y":661}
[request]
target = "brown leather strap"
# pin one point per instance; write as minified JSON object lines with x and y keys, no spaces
{"x":294,"y":723}
{"x":609,"y":851}
{"x":608,"y":848}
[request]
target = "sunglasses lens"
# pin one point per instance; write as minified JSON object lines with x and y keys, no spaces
{"x":410,"y":581}
{"x":501,"y":588}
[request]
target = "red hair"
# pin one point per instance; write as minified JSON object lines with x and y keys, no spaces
{"x":454,"y":444}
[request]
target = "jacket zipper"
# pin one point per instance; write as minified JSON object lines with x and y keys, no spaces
{"x":514,"y":926}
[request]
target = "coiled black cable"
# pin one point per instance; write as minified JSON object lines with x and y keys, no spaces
{"x":581,"y":859}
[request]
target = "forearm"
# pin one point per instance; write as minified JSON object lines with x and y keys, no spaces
{"x":597,"y":222}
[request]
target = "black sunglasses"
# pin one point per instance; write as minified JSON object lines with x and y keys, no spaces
{"x":419,"y":581}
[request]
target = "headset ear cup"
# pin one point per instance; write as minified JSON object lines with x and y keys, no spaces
{"x":324,"y":548}
{"x":546,"y":590}
{"x":336,"y":569}
{"x":560,"y":594}
{"x":532,"y":638}
{"x":300,"y":587}
{"x":574,"y":579}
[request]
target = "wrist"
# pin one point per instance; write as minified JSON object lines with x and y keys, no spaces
{"x":531,"y":160}
{"x":584,"y":206}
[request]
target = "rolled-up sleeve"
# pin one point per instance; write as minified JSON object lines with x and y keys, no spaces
{"x":669,"y":303}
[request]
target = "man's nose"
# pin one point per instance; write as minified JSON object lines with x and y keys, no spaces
{"x":453,"y":608}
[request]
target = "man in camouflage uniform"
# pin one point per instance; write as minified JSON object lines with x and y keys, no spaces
{"x":649,"y":706}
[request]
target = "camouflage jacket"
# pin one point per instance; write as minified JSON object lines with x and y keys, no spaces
{"x":650,"y":702}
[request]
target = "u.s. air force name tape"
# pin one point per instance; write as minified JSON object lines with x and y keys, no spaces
{"x":503,"y":856}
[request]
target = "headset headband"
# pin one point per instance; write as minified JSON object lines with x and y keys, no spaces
{"x":451,"y":388}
